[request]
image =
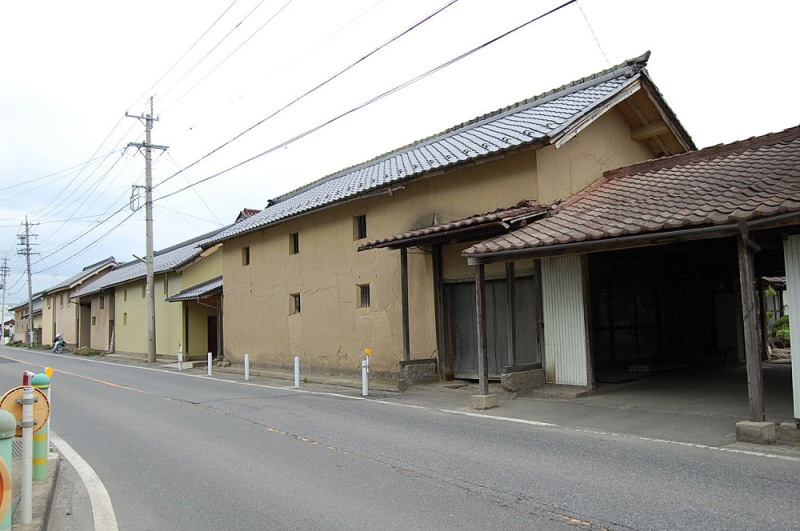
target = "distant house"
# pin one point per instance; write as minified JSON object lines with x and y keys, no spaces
{"x":22,"y":328}
{"x":8,"y":330}
{"x":115,"y":303}
{"x":60,"y":314}
{"x":371,"y":256}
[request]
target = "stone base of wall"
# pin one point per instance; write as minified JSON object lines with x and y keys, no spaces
{"x":523,"y":380}
{"x":417,"y":374}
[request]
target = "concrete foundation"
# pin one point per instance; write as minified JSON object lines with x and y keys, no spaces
{"x":483,"y":401}
{"x":523,"y":380}
{"x":755,"y":432}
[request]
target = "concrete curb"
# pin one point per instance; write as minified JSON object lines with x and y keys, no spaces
{"x":43,"y":494}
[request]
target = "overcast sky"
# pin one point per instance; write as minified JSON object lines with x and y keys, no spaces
{"x":71,"y":70}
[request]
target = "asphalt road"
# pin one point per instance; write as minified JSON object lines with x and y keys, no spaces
{"x":178,"y":452}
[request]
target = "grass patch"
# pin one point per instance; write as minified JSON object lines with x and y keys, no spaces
{"x":86,"y":351}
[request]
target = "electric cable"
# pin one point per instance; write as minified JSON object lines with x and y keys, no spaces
{"x":368,"y":102}
{"x":314,"y":89}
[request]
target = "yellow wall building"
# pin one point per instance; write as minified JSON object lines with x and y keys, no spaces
{"x":295,"y":283}
{"x":117,"y":306}
{"x":61,"y":315}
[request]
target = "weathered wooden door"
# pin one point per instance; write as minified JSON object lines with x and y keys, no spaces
{"x":463,"y":328}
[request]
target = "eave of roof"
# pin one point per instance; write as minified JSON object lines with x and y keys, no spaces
{"x":526,"y":124}
{"x":702,"y":194}
{"x":477,"y":226}
{"x":199,"y":291}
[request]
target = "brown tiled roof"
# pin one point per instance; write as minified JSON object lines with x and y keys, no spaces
{"x":746,"y":180}
{"x":505,"y":217}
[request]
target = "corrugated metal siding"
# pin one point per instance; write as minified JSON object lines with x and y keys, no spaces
{"x":564,"y":325}
{"x":791,"y":257}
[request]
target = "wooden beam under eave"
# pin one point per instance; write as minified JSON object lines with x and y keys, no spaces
{"x":643,"y":132}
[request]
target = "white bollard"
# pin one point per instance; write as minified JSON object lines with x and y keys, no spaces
{"x":247,"y":367}
{"x":209,"y":364}
{"x":297,"y":371}
{"x":180,"y":357}
{"x":26,"y":498}
{"x":364,"y":379}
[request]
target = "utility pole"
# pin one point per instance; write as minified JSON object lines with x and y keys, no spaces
{"x":4,"y":270}
{"x":26,"y":249}
{"x":148,"y":208}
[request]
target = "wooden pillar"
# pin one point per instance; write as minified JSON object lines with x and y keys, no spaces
{"x":762,"y":321}
{"x":404,"y":290}
{"x":755,"y":382}
{"x":483,"y":355}
{"x":511,"y":315}
{"x":445,"y":364}
{"x":219,"y":326}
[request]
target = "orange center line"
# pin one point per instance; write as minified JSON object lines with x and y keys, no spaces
{"x":110,"y":384}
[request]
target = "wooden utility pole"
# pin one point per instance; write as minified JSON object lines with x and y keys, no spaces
{"x":148,"y":120}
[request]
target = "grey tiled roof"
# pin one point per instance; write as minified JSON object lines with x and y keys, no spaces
{"x":164,"y":260}
{"x":720,"y":185}
{"x":85,"y":272}
{"x":200,"y":290}
{"x":38,"y":298}
{"x":533,"y":121}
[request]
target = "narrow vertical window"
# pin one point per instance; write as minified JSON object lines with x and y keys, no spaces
{"x":102,"y":301}
{"x":125,"y":318}
{"x":360,"y":227}
{"x":245,"y":256}
{"x":294,"y":243}
{"x":294,"y":302}
{"x":94,"y":320}
{"x":166,"y":285}
{"x":61,"y":300}
{"x":363,"y":296}
{"x":125,"y":295}
{"x":144,"y":290}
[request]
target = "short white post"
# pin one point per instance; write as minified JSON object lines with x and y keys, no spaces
{"x":364,"y":378}
{"x":247,"y":367}
{"x":209,"y":364}
{"x":180,"y":357}
{"x":297,"y":371}
{"x":26,"y":495}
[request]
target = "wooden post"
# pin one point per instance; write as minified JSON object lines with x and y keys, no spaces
{"x":511,"y":315}
{"x":445,"y":364}
{"x":763,"y":339}
{"x":219,"y":326}
{"x":483,"y":354}
{"x":755,"y":382}
{"x":404,"y":290}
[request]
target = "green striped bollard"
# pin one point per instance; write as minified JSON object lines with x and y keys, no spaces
{"x":8,"y":428}
{"x":42,"y":382}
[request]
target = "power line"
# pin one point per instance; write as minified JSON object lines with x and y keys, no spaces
{"x":200,"y":197}
{"x":157,"y":81}
{"x":270,"y":19}
{"x":315,"y":88}
{"x":28,"y":181}
{"x":366,"y":103}
{"x":211,"y":50}
{"x":596,"y":41}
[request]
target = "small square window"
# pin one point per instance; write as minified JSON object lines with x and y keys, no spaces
{"x":360,"y":227}
{"x":294,"y":301}
{"x":94,"y":320}
{"x":294,"y":243}
{"x":125,"y":318}
{"x":102,"y":301}
{"x":363,"y":296}
{"x":245,"y":256}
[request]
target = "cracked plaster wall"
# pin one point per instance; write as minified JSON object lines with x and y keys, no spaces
{"x":604,"y":145}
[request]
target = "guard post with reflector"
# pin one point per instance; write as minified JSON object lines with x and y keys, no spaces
{"x":42,"y":383}
{"x":8,"y":428}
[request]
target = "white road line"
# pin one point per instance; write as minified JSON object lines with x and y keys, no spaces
{"x":102,"y":510}
{"x":455,"y":412}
